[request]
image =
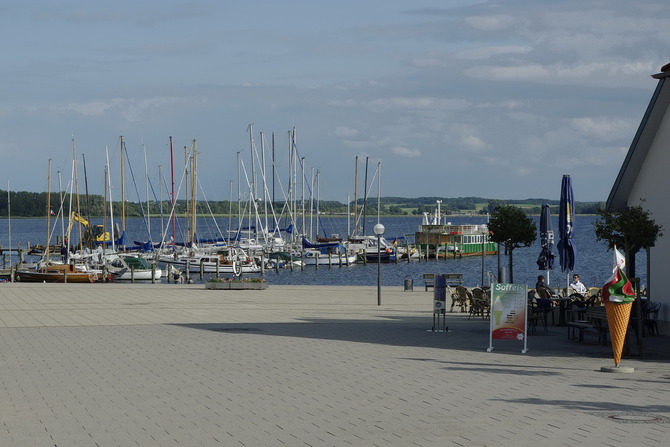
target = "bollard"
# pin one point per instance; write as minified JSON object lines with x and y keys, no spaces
{"x":409,"y":284}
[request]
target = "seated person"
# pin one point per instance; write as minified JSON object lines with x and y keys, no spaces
{"x":579,"y":291}
{"x":540,"y":284}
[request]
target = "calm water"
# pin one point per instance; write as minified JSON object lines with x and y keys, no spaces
{"x":594,"y":262}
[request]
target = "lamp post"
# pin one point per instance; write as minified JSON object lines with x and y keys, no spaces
{"x":484,"y":231}
{"x":379,"y":230}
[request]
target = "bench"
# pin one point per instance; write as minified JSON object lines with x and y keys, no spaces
{"x":429,"y":280}
{"x":451,"y":279}
{"x":454,"y":279}
{"x":595,"y":320}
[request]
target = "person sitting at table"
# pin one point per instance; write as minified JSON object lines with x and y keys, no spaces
{"x":579,"y":291}
{"x":540,"y":284}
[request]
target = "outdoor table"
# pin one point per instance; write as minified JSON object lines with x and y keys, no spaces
{"x":561,"y":308}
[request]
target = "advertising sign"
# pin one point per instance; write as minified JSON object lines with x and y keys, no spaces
{"x":508,"y":313}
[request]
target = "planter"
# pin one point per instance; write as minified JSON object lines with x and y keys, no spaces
{"x":236,"y":285}
{"x":248,"y":285}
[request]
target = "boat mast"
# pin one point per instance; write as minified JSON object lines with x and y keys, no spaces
{"x":302,"y":193}
{"x":88,"y":202}
{"x":111,"y":202}
{"x":9,"y":220}
{"x":104,"y":211}
{"x":193,"y":192}
{"x":76,"y":183}
{"x":60,"y":208}
{"x":265,"y":189}
{"x":46,"y":248}
{"x":274,"y":173}
{"x":161,"y":181}
{"x":146,"y":178}
{"x":123,"y":191}
{"x":355,"y":197}
{"x":186,"y":196}
{"x":365,"y":194}
{"x":172,"y":214}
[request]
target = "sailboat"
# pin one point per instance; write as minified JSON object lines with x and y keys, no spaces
{"x":56,"y":273}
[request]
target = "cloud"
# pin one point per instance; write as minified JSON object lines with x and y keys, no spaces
{"x":406,"y":152}
{"x":132,"y":108}
{"x":604,"y":128}
{"x":492,"y":23}
{"x":490,"y":51}
{"x":345,"y":132}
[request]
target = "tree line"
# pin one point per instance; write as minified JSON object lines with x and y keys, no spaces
{"x":32,"y":204}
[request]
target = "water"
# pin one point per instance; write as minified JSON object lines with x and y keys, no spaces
{"x":593,"y":263}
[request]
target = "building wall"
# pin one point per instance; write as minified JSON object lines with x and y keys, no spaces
{"x":653,"y":186}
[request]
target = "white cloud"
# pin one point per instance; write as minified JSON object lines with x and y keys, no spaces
{"x":604,"y":128}
{"x":490,"y":51}
{"x":406,"y":152}
{"x":345,"y":132}
{"x":492,"y":23}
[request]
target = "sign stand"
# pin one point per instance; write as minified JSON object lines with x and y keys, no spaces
{"x":440,"y":303}
{"x":509,"y":319}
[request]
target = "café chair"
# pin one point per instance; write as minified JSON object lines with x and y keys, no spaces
{"x":479,"y":304}
{"x":651,"y":319}
{"x":460,"y":298}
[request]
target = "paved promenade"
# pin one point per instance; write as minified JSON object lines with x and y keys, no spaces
{"x":178,"y":365}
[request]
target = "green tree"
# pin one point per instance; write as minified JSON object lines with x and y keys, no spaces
{"x":631,"y":230}
{"x":512,"y":228}
{"x":493,"y":204}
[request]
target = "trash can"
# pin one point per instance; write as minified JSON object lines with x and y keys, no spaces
{"x":409,"y":284}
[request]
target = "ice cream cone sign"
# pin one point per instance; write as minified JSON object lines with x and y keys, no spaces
{"x":618,"y":296}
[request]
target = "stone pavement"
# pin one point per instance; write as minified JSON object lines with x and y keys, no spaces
{"x":177,"y":365}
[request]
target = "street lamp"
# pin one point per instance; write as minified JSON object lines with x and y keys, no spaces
{"x":379,"y":230}
{"x":484,"y":231}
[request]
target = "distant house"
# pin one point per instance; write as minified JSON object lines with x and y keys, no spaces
{"x":645,"y":176}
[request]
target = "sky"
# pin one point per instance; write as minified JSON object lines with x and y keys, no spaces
{"x":445,"y":98}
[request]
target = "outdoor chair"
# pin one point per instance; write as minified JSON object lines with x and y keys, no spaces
{"x":594,"y":296}
{"x":480,"y":304}
{"x":651,"y":319}
{"x":461,"y":298}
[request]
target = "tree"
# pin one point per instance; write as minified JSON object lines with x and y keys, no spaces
{"x":493,"y":204}
{"x":630,"y":230}
{"x":512,"y":228}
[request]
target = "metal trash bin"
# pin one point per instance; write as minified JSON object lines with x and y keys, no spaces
{"x":409,"y":284}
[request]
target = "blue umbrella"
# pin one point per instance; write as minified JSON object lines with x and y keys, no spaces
{"x":546,"y":259}
{"x":566,"y":223}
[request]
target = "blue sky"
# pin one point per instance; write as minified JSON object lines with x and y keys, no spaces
{"x":496,"y":99}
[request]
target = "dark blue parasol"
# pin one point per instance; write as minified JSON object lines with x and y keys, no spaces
{"x":546,"y":259}
{"x":566,"y":223}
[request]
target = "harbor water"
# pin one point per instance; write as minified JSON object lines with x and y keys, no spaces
{"x":593,"y":260}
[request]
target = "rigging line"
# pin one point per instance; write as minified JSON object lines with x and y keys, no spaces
{"x":372,"y":182}
{"x":167,"y":227}
{"x":209,"y":208}
{"x":174,"y":204}
{"x":132,"y":174}
{"x":266,"y":191}
{"x":257,"y":220}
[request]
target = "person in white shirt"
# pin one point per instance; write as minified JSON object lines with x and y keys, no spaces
{"x":579,"y":291}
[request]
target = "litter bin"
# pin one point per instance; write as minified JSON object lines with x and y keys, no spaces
{"x":409,"y":284}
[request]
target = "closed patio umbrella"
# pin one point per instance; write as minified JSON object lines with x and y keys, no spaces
{"x":566,"y":224}
{"x":546,"y":259}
